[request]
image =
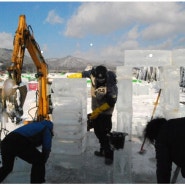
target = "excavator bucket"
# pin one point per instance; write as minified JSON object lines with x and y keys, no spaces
{"x":13,"y":98}
{"x":23,"y":92}
{"x":9,"y":88}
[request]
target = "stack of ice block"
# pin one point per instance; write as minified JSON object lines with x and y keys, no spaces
{"x":124,"y":102}
{"x":122,"y":165}
{"x":178,"y":58}
{"x":169,"y":80}
{"x":169,"y":101}
{"x":69,"y":116}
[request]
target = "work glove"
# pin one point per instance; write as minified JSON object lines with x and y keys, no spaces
{"x":90,"y":122}
{"x":99,"y":110}
{"x":45,"y":155}
{"x":75,"y":75}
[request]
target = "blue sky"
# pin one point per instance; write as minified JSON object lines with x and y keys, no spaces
{"x":96,"y":30}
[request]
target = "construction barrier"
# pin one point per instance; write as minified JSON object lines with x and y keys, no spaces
{"x":32,"y":86}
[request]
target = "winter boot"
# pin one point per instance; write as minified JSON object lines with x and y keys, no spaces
{"x":100,"y":153}
{"x":109,"y":156}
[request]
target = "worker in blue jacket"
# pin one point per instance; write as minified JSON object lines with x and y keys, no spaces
{"x":23,"y":142}
{"x":104,"y":93}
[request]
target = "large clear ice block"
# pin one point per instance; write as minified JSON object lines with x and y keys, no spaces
{"x":178,"y":57}
{"x":122,"y":164}
{"x":140,"y":58}
{"x":124,"y":102}
{"x":169,"y":83}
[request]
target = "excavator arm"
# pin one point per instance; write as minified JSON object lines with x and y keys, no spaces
{"x":24,"y":39}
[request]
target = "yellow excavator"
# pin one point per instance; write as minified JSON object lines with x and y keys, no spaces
{"x":13,"y":93}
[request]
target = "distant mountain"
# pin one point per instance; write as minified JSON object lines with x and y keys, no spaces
{"x":66,"y":64}
{"x":5,"y":60}
{"x":72,"y":64}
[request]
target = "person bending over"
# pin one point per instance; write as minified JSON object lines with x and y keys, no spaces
{"x":168,"y":137}
{"x":23,"y":142}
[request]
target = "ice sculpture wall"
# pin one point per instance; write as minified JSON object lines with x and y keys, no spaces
{"x":169,"y":63}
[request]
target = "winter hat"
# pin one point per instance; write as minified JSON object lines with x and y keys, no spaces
{"x":101,"y":73}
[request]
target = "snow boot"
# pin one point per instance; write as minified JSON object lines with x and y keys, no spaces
{"x":100,"y":153}
{"x":108,"y":161}
{"x":109,"y":156}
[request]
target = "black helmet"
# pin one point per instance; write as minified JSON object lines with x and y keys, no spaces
{"x":101,"y":74}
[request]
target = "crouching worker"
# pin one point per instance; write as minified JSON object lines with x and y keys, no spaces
{"x":23,"y":142}
{"x":168,"y":137}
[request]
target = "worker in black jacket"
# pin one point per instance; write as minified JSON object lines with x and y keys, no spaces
{"x":168,"y":136}
{"x":104,"y":96}
{"x":23,"y":142}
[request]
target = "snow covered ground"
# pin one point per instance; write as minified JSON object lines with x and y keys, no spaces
{"x":89,"y":169}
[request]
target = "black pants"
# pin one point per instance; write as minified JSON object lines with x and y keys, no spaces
{"x":16,"y":145}
{"x":102,"y":126}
